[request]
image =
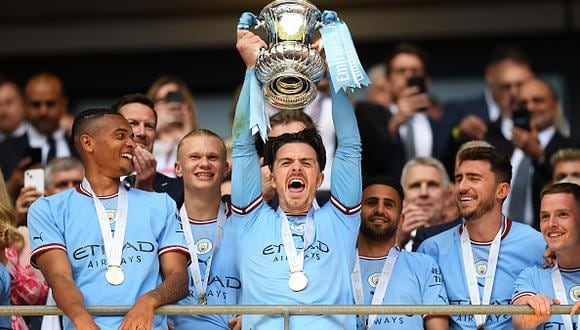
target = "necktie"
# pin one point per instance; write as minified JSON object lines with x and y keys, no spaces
{"x":410,"y":141}
{"x":51,"y":148}
{"x":519,"y":189}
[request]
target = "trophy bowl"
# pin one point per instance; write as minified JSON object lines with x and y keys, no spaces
{"x":289,"y":69}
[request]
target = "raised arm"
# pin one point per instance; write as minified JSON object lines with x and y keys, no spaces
{"x":56,"y":269}
{"x":246,"y":175}
{"x":346,"y":179}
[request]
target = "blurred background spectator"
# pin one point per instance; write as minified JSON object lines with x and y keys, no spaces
{"x":176,"y":117}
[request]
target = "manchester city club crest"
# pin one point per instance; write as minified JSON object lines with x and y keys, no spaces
{"x":373,"y":279}
{"x":481,"y":268}
{"x":204,"y":246}
{"x":297,"y":228}
{"x":111,"y":215}
{"x":575,"y":293}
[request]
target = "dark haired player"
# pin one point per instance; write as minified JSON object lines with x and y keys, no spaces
{"x":105,"y":244}
{"x":295,"y":255}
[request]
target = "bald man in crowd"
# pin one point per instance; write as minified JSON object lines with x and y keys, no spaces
{"x":44,"y":140}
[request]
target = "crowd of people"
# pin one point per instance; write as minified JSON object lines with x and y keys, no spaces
{"x":394,"y":200}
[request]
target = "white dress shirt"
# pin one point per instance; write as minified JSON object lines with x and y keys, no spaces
{"x":422,"y":133}
{"x":39,"y":140}
{"x":544,"y":137}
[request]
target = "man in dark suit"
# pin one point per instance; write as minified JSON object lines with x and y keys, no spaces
{"x":45,"y":106}
{"x":391,"y":136}
{"x":530,"y":148}
{"x":475,"y":114}
{"x":140,"y":113}
{"x":507,"y":70}
{"x":12,"y":124}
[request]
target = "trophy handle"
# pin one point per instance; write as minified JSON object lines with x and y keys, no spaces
{"x":328,"y":17}
{"x":248,"y":20}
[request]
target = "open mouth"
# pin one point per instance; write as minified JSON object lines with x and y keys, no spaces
{"x":555,"y":234}
{"x":296,"y":185}
{"x":204,"y":175}
{"x":127,"y":155}
{"x":465,"y":199}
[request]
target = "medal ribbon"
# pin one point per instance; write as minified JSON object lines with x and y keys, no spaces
{"x":113,"y":243}
{"x":296,"y":260}
{"x":558,"y":284}
{"x":382,"y":284}
{"x":201,"y":286}
{"x":469,"y":267}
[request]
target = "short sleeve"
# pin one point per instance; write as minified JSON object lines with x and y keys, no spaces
{"x":434,"y":292}
{"x":44,"y":230}
{"x":171,"y":238}
{"x":525,"y":284}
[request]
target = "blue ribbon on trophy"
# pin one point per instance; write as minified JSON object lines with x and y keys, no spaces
{"x":344,"y":65}
{"x":259,"y":121}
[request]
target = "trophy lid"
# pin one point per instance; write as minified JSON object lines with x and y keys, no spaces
{"x":278,"y":3}
{"x":290,"y":20}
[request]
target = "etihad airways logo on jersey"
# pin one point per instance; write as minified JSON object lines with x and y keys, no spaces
{"x":218,"y":287}
{"x":314,"y":251}
{"x":489,"y":319}
{"x":95,"y":253}
{"x":557,"y":325}
{"x":392,"y":320}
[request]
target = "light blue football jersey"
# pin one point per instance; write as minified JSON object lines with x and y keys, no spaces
{"x":536,"y":280}
{"x":328,"y":260}
{"x":68,"y":221}
{"x":416,"y":280}
{"x":224,"y":285}
{"x":521,"y":246}
{"x":5,"y":321}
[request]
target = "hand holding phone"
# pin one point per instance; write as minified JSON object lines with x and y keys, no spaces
{"x":35,"y":178}
{"x":35,"y":155}
{"x":521,"y":118}
{"x":418,"y":81}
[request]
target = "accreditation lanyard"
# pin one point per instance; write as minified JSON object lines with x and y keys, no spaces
{"x":113,"y":243}
{"x":296,"y":260}
{"x":380,"y":289}
{"x":558,"y":284}
{"x":469,"y":267}
{"x":201,"y":286}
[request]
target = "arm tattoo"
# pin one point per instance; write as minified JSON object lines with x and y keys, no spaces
{"x":173,"y":288}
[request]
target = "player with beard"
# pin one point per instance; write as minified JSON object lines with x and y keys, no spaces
{"x":383,"y":273}
{"x":295,"y":255}
{"x":481,"y":258}
{"x":560,"y":225}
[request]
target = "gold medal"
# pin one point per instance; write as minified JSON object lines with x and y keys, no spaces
{"x":114,"y":275}
{"x":202,"y":299}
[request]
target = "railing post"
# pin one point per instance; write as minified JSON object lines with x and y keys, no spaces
{"x":286,"y":320}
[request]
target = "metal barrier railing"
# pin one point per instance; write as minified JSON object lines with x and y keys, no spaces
{"x":287,"y":310}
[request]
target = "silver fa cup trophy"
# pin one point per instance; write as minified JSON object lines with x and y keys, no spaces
{"x":289,"y":69}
